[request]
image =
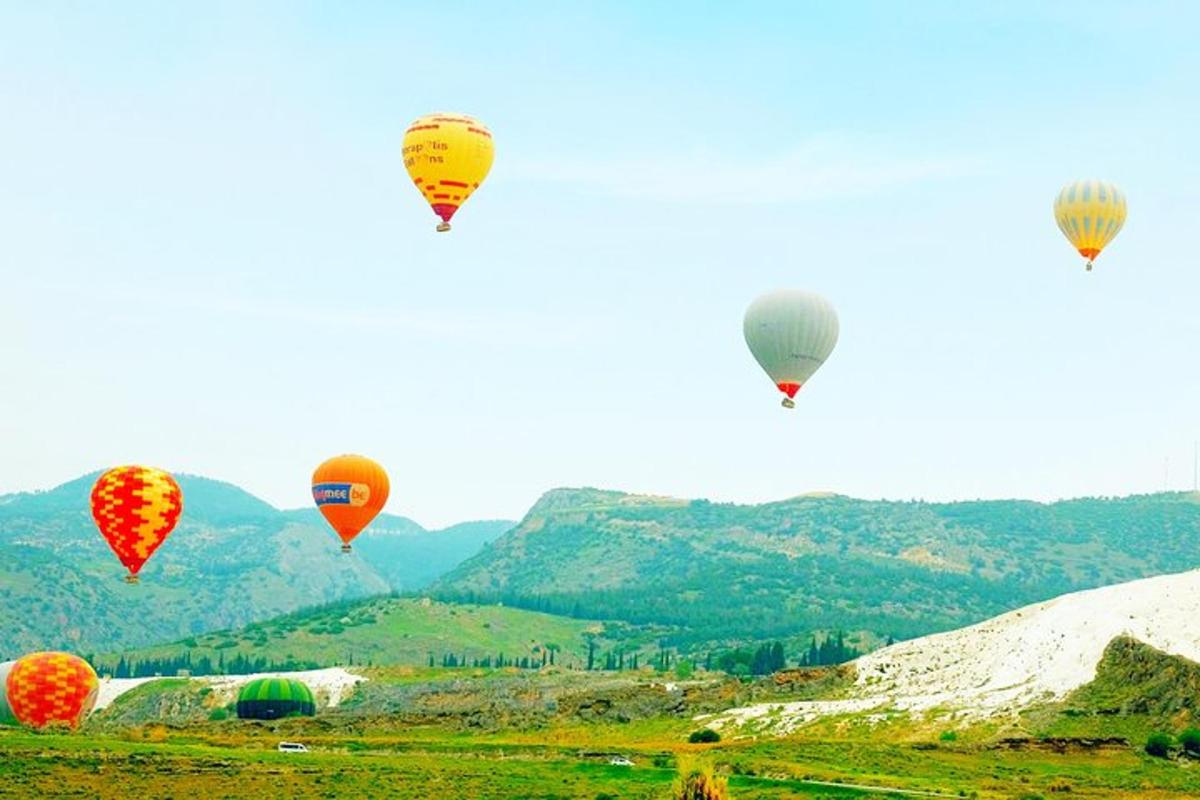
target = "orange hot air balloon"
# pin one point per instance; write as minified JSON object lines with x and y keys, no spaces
{"x":135,"y":508}
{"x":46,"y":689}
{"x":350,"y":491}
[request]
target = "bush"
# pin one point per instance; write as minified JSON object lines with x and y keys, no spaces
{"x":1159,"y":745}
{"x":948,"y":736}
{"x":701,"y":786}
{"x":704,"y":736}
{"x":218,"y":714}
{"x":1190,"y":741}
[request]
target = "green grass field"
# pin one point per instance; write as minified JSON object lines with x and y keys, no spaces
{"x":237,"y":759}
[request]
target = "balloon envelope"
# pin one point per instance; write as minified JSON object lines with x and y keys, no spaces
{"x":1090,"y":214}
{"x":274,"y":698}
{"x":350,"y":490}
{"x":447,"y":156}
{"x":46,"y":689}
{"x":790,"y":333}
{"x":136,"y":508}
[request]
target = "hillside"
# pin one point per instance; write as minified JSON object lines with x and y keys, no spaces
{"x":723,"y":571}
{"x":233,"y":559}
{"x":402,"y":631}
{"x":1067,"y":649}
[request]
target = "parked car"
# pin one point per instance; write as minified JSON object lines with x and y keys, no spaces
{"x":292,"y":747}
{"x":620,"y":761}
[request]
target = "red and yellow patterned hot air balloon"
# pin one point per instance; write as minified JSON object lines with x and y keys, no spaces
{"x":447,"y":156}
{"x":350,"y":491}
{"x":135,"y":508}
{"x":46,"y":689}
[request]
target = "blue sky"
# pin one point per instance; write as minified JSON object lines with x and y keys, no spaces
{"x":213,"y":261}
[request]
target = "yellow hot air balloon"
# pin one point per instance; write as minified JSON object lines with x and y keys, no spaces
{"x":1090,"y":214}
{"x":447,"y":156}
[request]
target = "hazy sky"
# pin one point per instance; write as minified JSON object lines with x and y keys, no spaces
{"x":213,"y":261}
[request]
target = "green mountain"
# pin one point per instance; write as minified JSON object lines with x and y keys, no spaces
{"x":736,"y":572}
{"x":232,"y":560}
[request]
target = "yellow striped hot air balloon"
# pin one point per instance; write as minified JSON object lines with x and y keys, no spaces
{"x":1090,"y":214}
{"x":447,"y":156}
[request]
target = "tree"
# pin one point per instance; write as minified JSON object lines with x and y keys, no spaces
{"x":1159,"y":745}
{"x":1190,"y":741}
{"x":778,"y":659}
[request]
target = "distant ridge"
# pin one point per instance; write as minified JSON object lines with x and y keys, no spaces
{"x":818,"y":562}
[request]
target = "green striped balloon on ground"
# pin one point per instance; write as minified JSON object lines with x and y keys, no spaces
{"x":275,"y":698}
{"x":6,"y":715}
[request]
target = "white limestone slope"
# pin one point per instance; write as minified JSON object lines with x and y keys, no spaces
{"x":1037,"y":653}
{"x":328,"y":686}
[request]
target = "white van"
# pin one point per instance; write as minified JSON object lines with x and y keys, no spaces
{"x":292,"y":747}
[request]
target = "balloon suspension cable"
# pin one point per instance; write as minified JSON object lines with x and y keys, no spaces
{"x":443,"y":227}
{"x":788,"y":403}
{"x":131,"y":578}
{"x":345,"y":548}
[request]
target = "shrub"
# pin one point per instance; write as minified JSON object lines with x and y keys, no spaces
{"x":684,"y":670}
{"x":1190,"y":740}
{"x":1159,"y":745}
{"x":218,"y":714}
{"x":704,"y":736}
{"x":948,"y":736}
{"x":700,"y":785}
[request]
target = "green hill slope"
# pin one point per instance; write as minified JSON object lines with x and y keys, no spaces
{"x":402,"y":631}
{"x":1137,"y":690}
{"x":233,"y":559}
{"x":904,"y":569}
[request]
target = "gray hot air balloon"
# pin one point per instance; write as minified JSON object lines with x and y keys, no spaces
{"x":6,"y":715}
{"x":791,"y":333}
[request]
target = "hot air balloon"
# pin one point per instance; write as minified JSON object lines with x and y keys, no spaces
{"x":1090,"y":214}
{"x":135,"y":508}
{"x":790,"y":333}
{"x":350,"y":491}
{"x":273,"y":698}
{"x":447,"y":156}
{"x":6,"y":715}
{"x":46,"y":689}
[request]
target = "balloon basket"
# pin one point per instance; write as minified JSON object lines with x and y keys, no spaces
{"x":1089,"y":266}
{"x":345,"y":548}
{"x":788,"y":403}
{"x":443,"y":227}
{"x":131,"y":578}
